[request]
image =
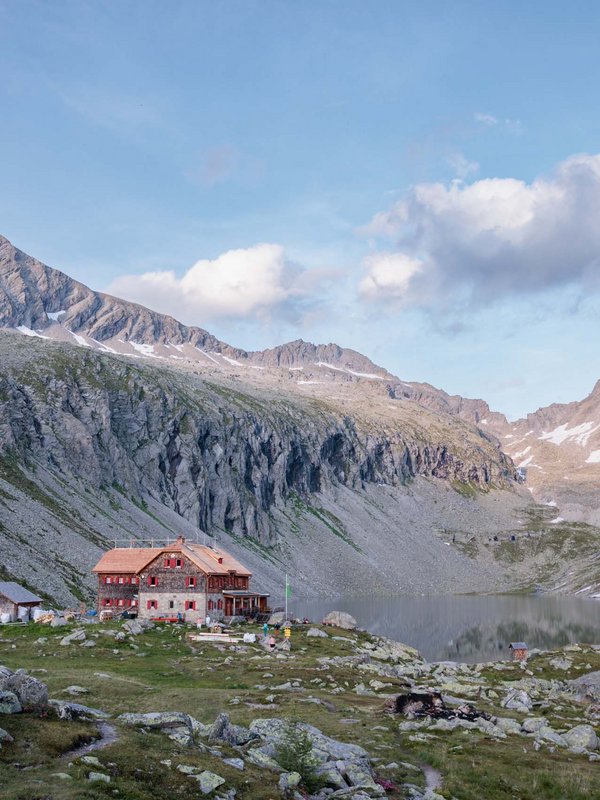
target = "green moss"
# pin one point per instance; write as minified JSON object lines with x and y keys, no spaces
{"x":465,"y":489}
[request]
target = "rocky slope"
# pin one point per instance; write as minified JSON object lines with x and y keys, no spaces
{"x":118,"y":422}
{"x":166,"y":448}
{"x":559,"y":448}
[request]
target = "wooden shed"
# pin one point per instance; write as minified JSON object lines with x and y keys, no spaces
{"x":519,"y":651}
{"x":16,"y":601}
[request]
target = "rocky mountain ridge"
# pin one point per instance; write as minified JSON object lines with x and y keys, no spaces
{"x":304,"y":456}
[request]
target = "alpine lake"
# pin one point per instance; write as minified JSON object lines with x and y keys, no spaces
{"x":467,"y":628}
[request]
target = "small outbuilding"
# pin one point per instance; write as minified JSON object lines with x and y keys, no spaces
{"x":16,"y":602}
{"x":519,"y":651}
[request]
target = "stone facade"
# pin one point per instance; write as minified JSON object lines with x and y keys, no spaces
{"x":118,"y":592}
{"x":170,"y":585}
{"x":179,"y":580}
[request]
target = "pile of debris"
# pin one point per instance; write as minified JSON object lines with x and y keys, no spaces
{"x":431,"y":704}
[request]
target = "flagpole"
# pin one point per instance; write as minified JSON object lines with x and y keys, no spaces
{"x":286,"y":596}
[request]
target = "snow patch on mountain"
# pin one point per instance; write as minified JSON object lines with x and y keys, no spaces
{"x":579,"y":434}
{"x":28,"y":332}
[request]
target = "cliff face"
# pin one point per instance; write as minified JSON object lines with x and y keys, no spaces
{"x":120,"y":423}
{"x":219,"y":455}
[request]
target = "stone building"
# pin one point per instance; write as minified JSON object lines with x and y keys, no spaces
{"x":16,"y":602}
{"x":180,"y":579}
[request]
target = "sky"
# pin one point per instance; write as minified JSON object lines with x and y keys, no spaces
{"x":417,"y":181}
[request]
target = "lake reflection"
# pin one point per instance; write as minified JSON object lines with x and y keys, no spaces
{"x":467,"y":628}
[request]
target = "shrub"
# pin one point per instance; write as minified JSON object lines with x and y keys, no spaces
{"x":295,"y":754}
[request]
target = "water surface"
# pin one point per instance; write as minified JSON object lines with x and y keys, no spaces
{"x":468,"y":628}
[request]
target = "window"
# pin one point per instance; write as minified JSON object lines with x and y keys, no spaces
{"x":190,"y":581}
{"x":121,"y":579}
{"x":179,"y":563}
{"x":167,"y":563}
{"x":190,"y":605}
{"x":107,"y":601}
{"x":108,"y":579}
{"x":152,"y":580}
{"x":134,"y":603}
{"x":152,"y":603}
{"x":135,"y":579}
{"x":121,"y":602}
{"x":220,"y":605}
{"x":211,"y":605}
{"x":171,"y":604}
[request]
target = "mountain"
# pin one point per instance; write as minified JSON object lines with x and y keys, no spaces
{"x":559,"y":447}
{"x":119,"y":423}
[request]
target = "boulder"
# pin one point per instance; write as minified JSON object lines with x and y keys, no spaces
{"x":5,"y":736}
{"x":98,"y":777}
{"x":222,"y":730}
{"x":359,"y":776}
{"x":66,"y":710}
{"x":9,"y":703}
{"x":134,"y":627}
{"x":278,"y":618}
{"x":262,"y":760}
{"x":341,"y":619}
{"x":533,"y":724}
{"x":157,"y":720}
{"x":288,"y":782}
{"x":5,"y":674}
{"x":507,"y":725}
{"x":317,"y":633}
{"x":331,"y":776}
{"x":58,"y":622}
{"x":561,"y":663}
{"x":518,"y":700}
{"x":587,"y":686}
{"x":208,"y":781}
{"x":32,"y":694}
{"x":91,"y":761}
{"x":71,"y":638}
{"x":547,"y":734}
{"x":582,"y":736}
{"x":236,"y":763}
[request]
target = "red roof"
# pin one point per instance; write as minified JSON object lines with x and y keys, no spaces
{"x":210,"y":560}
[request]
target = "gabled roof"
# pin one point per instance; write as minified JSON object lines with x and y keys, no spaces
{"x":207,"y":558}
{"x":517,"y":646}
{"x":135,"y":559}
{"x":17,"y":593}
{"x":127,"y":559}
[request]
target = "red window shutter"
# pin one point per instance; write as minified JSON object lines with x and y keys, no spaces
{"x":220,"y":604}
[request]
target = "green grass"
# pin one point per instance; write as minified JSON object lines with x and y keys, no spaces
{"x":202,"y":680}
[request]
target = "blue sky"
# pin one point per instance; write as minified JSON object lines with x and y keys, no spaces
{"x":417,"y":181}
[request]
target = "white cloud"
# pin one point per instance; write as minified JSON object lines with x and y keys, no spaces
{"x":255,"y":281}
{"x":461,"y":165}
{"x":491,"y":238}
{"x":514,"y":126}
{"x":389,"y":274}
{"x":486,"y":119}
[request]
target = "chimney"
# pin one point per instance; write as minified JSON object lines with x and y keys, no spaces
{"x":180,"y":540}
